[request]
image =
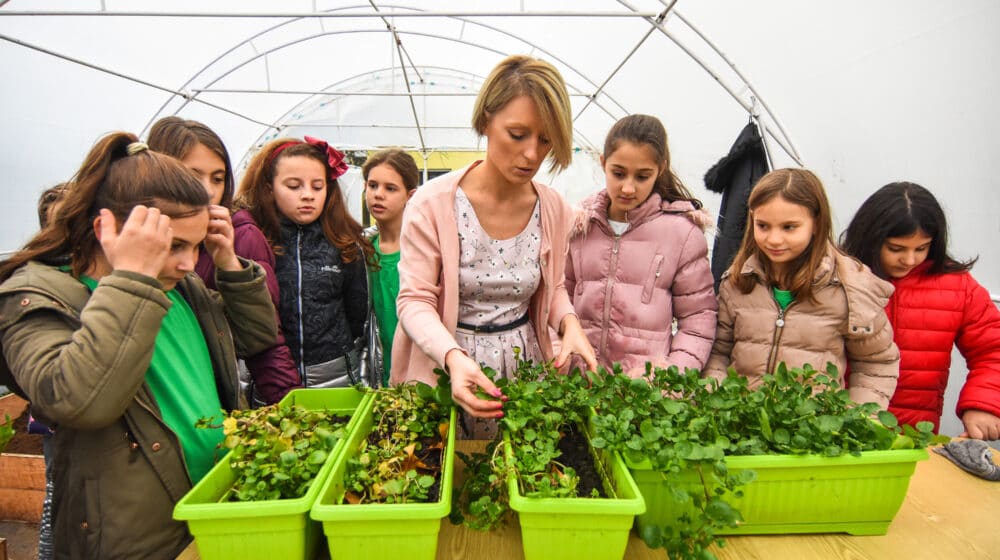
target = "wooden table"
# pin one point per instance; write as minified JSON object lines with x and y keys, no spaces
{"x":947,"y":514}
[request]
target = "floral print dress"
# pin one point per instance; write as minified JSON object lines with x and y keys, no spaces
{"x":496,"y":280}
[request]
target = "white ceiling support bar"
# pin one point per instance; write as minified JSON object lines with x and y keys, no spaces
{"x":613,"y":72}
{"x":310,"y":37}
{"x":419,"y":14}
{"x":401,"y":52}
{"x":460,"y":39}
{"x":409,"y":90}
{"x":749,"y":84}
{"x":267,"y":71}
{"x":399,"y":126}
{"x":186,"y":95}
{"x":248,"y":41}
{"x":399,"y":43}
{"x":354,"y":93}
{"x":736,"y":96}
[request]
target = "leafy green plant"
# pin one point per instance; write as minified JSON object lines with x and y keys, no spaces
{"x":6,"y":432}
{"x":542,"y":407}
{"x":277,"y":450}
{"x":680,"y":421}
{"x":401,"y":459}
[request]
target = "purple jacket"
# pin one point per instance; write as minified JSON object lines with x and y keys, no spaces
{"x":628,"y":290}
{"x":273,"y":370}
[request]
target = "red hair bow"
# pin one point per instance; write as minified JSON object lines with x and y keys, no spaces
{"x":334,"y":157}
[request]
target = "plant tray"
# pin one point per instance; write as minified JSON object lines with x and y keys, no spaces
{"x":382,"y":531}
{"x":574,"y":528}
{"x":799,"y":494}
{"x":265,"y":529}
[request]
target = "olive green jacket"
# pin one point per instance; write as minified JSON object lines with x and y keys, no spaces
{"x":82,"y":358}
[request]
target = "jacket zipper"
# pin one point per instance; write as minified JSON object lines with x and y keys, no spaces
{"x":298,"y":300}
{"x":606,"y":318}
{"x":779,"y":324}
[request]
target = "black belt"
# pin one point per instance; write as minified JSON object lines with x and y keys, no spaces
{"x":495,"y":328}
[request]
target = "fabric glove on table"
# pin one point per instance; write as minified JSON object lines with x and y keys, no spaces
{"x":972,"y":455}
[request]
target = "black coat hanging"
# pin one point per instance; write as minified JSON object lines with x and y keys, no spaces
{"x":734,"y":176}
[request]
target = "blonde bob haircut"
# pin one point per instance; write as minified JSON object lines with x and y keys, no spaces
{"x":519,"y":75}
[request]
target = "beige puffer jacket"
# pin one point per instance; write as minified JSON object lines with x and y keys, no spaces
{"x":846,"y":326}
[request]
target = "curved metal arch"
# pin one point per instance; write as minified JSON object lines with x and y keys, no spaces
{"x":344,"y":82}
{"x":588,"y":143}
{"x":784,"y":140}
{"x":464,"y":20}
{"x":349,"y":32}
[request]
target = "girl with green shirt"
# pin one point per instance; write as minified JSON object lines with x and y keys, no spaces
{"x":391,"y":177}
{"x":124,"y":349}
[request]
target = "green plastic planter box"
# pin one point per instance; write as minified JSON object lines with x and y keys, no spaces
{"x":382,"y":531}
{"x":799,"y":493}
{"x":264,"y":529}
{"x":576,"y":528}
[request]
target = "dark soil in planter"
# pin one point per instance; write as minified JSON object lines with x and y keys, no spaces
{"x":576,"y":454}
{"x":23,"y":442}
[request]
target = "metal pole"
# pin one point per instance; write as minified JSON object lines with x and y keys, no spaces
{"x":746,"y":81}
{"x":743,"y":103}
{"x":420,"y":14}
{"x":185,"y":95}
{"x":613,"y":72}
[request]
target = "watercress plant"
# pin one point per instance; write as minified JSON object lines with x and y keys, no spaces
{"x":401,"y":459}
{"x":277,"y":450}
{"x":680,"y":421}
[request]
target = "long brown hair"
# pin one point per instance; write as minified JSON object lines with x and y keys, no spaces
{"x":111,"y":178}
{"x":645,"y":130}
{"x":256,"y":195}
{"x":797,"y":186}
{"x":176,"y":137}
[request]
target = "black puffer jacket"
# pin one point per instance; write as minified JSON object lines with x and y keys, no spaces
{"x":735,"y":176}
{"x":323,"y":299}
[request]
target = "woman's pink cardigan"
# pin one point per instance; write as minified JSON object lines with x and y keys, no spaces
{"x":428,"y":277}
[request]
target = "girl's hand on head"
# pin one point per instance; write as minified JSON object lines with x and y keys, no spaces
{"x":219,"y":241}
{"x":466,"y":377}
{"x":574,"y":341}
{"x":980,"y":424}
{"x":142,"y":245}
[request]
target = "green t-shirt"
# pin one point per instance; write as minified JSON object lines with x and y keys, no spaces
{"x":181,"y":378}
{"x":783,"y":297}
{"x":385,"y":289}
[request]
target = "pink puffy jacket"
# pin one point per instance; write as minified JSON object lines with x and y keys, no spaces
{"x":628,"y":290}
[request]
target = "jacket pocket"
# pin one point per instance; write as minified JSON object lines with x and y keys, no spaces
{"x":654,"y":274}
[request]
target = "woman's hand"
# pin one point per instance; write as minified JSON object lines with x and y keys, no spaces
{"x":980,"y":424}
{"x":574,"y":341}
{"x":466,"y":377}
{"x":219,"y":241}
{"x":142,"y":245}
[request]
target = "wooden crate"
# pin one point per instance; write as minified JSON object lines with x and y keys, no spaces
{"x":22,"y":487}
{"x":12,"y":405}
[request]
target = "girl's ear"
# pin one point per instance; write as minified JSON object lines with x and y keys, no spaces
{"x":97,"y":228}
{"x":409,"y":194}
{"x":602,"y":161}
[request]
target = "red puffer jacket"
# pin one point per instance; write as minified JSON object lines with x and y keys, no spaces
{"x":929,"y":314}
